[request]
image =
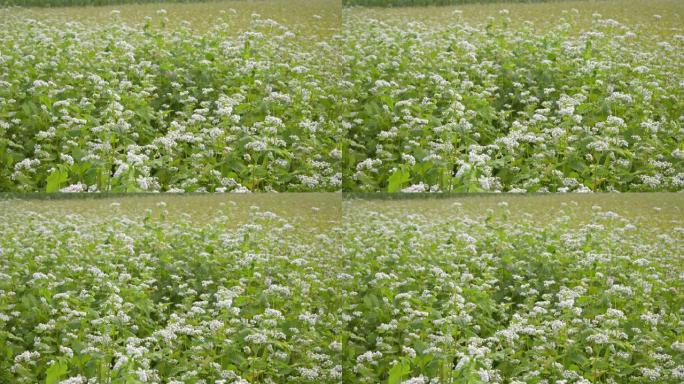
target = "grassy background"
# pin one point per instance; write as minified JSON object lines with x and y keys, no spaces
{"x":651,"y":209}
{"x":326,"y":209}
{"x":63,"y":3}
{"x":311,"y":17}
{"x":641,"y":14}
{"x":314,"y":210}
{"x":413,"y":3}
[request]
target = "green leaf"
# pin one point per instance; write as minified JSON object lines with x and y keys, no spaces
{"x":56,"y":371}
{"x":398,"y":372}
{"x":398,"y":179}
{"x":56,"y":179}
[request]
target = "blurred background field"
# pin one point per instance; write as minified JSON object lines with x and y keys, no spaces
{"x":320,"y":16}
{"x":423,"y":3}
{"x":651,"y":209}
{"x":656,"y":15}
{"x":311,"y":209}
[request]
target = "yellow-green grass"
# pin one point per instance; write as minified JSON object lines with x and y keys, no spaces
{"x":650,"y":209}
{"x":317,"y":16}
{"x":661,"y":209}
{"x":309,"y":209}
{"x":657,"y":16}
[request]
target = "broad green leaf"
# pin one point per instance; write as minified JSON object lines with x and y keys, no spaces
{"x":56,"y":179}
{"x":56,"y":372}
{"x":398,"y":179}
{"x":398,"y":372}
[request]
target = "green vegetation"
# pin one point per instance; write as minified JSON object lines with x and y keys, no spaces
{"x":291,"y":96}
{"x":158,"y":105}
{"x":375,"y":287}
{"x":292,"y":288}
{"x":442,"y":99}
{"x":416,"y":3}
{"x":515,"y":289}
{"x":71,"y":3}
{"x":170,"y":289}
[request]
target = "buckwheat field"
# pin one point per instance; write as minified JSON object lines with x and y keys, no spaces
{"x":171,"y":290}
{"x":464,"y":220}
{"x":170,"y":97}
{"x":562,"y":96}
{"x":540,"y":289}
{"x":282,"y":289}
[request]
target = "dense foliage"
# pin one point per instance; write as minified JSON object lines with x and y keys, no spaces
{"x":153,"y":107}
{"x":411,"y":291}
{"x":445,"y":295}
{"x":386,"y":104}
{"x":508,"y":106}
{"x":135,"y":297}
